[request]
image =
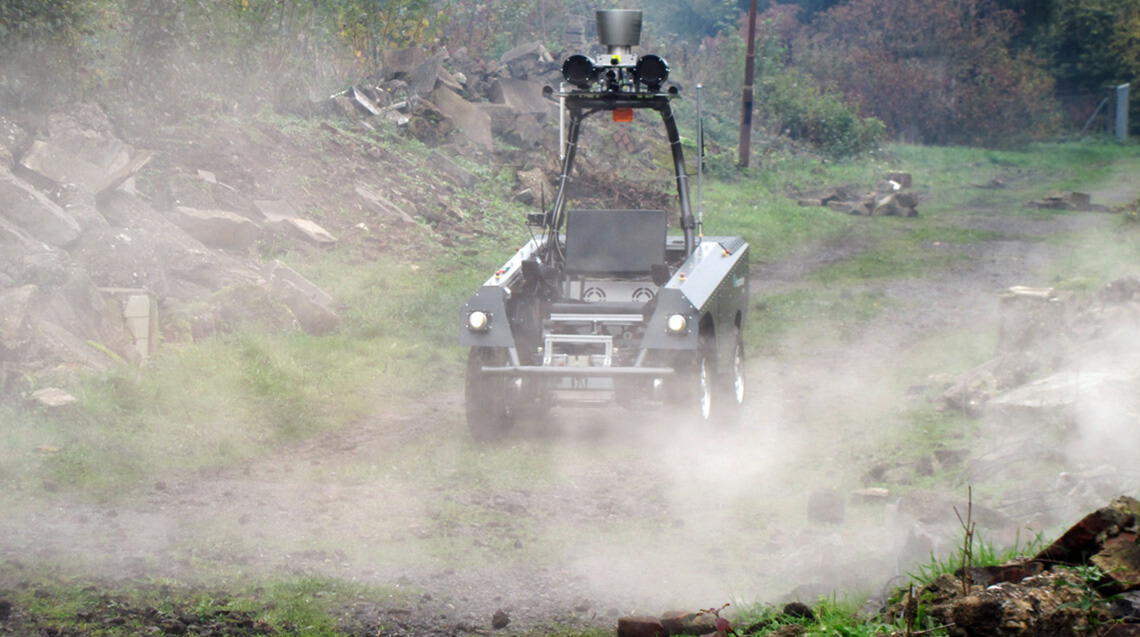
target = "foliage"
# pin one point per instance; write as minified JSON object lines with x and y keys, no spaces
{"x":1093,"y":44}
{"x":794,"y":105}
{"x":39,"y":49}
{"x":934,"y":71}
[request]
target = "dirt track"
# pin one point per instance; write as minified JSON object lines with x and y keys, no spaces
{"x":601,"y":514}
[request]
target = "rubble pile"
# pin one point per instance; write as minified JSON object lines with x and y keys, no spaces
{"x":891,"y":197}
{"x":87,"y":262}
{"x":1073,"y":201}
{"x":79,"y":241}
{"x":1058,"y":354}
{"x":1087,"y":582}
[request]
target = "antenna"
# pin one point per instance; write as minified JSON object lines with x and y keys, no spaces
{"x":700,"y":168}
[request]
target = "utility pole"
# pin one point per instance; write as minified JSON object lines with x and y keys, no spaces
{"x":746,"y":98}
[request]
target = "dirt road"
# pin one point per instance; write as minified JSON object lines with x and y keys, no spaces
{"x":604,"y":513}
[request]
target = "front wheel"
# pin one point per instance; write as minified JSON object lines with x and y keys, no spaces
{"x":490,"y":399}
{"x":731,"y":387}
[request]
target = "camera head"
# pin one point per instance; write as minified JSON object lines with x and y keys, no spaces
{"x":619,"y":70}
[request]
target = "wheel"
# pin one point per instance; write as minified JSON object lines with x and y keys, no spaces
{"x":696,"y":391}
{"x":731,"y":386}
{"x":489,"y":399}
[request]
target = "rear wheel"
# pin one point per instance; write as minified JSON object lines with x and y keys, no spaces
{"x":490,"y":398}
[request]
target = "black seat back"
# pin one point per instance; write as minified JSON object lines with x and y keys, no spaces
{"x":614,"y":242}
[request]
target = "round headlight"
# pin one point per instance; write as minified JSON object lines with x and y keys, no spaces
{"x":676,"y":323}
{"x":478,"y":321}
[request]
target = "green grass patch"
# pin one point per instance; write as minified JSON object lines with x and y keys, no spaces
{"x":297,"y":605}
{"x":816,"y":315}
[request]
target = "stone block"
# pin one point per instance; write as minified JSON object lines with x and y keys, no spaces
{"x":468,"y":118}
{"x":903,"y":179}
{"x":52,"y":398}
{"x":522,"y":96}
{"x":1086,"y":538}
{"x":688,"y":623}
{"x":398,"y":63}
{"x":217,"y":228}
{"x":641,"y":627}
{"x":1120,"y":563}
{"x":35,"y":214}
{"x":454,"y":172}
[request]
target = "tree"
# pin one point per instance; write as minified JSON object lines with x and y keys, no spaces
{"x":39,"y":42}
{"x":934,"y":71}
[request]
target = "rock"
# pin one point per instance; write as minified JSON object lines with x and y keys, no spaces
{"x":383,"y":204}
{"x":34,"y":213}
{"x":522,"y":96}
{"x":217,"y":228}
{"x":399,"y":63}
{"x":1047,"y":604}
{"x":468,"y":118}
{"x":304,"y":230}
{"x":423,"y":80}
{"x":688,"y":623}
{"x":1120,"y":563}
{"x":1012,"y":572}
{"x":50,"y":167}
{"x":1086,"y":538}
{"x":903,"y":179}
{"x":535,"y":181}
{"x":52,"y":398}
{"x":1126,"y":606}
{"x":310,"y":304}
{"x":14,"y":328}
{"x":871,"y":495}
{"x":640,"y":627}
{"x":458,"y":175}
{"x":247,"y":305}
{"x":500,"y":620}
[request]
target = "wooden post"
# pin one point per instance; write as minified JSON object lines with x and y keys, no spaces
{"x":746,"y":98}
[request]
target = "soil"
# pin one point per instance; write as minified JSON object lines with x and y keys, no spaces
{"x":601,"y":513}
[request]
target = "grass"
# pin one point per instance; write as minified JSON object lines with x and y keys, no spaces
{"x":312,"y":606}
{"x":397,"y":346}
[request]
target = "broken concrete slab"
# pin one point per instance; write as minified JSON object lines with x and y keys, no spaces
{"x":34,"y":213}
{"x":1086,"y":538}
{"x":423,"y":80}
{"x":641,"y":627}
{"x":313,"y":317}
{"x":50,"y":167}
{"x":903,"y":179}
{"x":398,"y":63}
{"x":528,"y":49}
{"x":1120,"y":563}
{"x":15,"y":304}
{"x":52,"y":398}
{"x":304,"y":230}
{"x":278,"y":270}
{"x":217,"y":228}
{"x":522,"y":96}
{"x":468,"y":118}
{"x":454,"y":172}
{"x":383,"y":204}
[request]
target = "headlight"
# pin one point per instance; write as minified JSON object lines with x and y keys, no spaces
{"x":676,"y":323}
{"x":478,"y":321}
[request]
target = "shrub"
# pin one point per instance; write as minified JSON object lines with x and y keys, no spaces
{"x":793,"y":104}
